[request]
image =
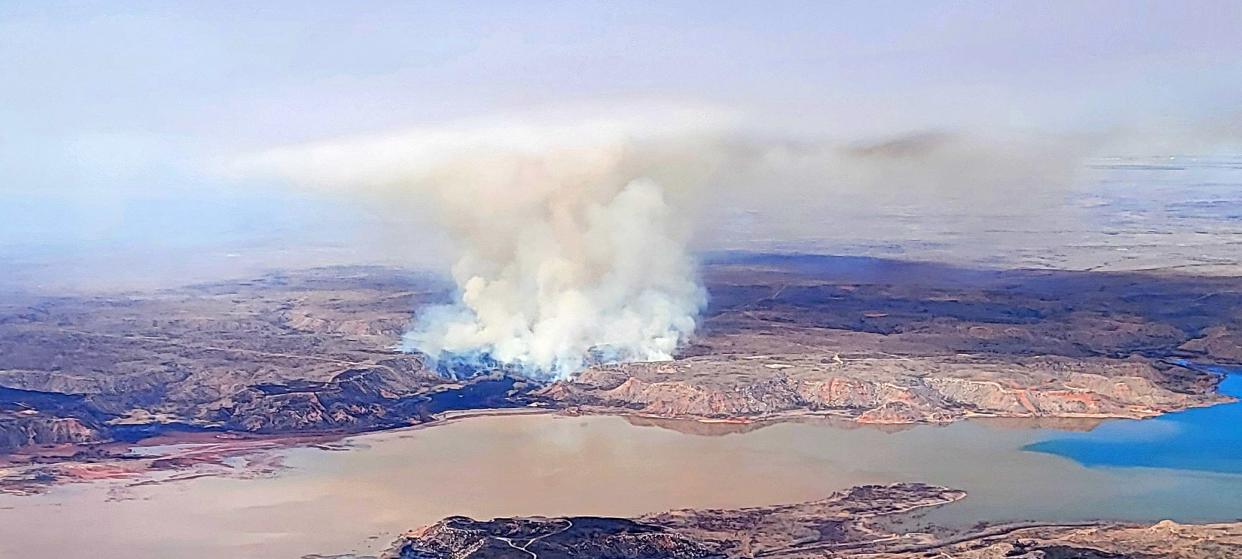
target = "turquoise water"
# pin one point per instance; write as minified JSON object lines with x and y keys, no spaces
{"x":1202,"y":439}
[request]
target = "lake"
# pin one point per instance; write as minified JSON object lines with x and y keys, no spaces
{"x":1205,"y":439}
{"x":359,"y":499}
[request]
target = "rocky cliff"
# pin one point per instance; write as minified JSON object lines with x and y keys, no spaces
{"x":878,"y":389}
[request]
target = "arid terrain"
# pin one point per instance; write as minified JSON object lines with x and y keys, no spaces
{"x":621,"y":280}
{"x":892,"y":342}
{"x":874,"y":521}
{"x":874,"y":341}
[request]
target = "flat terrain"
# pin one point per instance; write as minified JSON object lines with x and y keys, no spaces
{"x":874,"y":341}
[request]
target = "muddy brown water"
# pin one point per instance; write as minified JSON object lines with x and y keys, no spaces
{"x":359,"y":499}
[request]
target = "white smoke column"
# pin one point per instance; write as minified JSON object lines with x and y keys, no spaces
{"x":572,"y":233}
{"x":572,"y":238}
{"x":608,"y":276}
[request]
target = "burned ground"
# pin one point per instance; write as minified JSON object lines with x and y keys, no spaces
{"x":872,"y":340}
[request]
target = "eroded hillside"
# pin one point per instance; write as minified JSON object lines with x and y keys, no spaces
{"x":862,"y":339}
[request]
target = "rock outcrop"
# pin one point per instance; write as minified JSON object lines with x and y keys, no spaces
{"x":873,"y":341}
{"x":859,"y":523}
{"x":32,"y":417}
{"x":876,"y":389}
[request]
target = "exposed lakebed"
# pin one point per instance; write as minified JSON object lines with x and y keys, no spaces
{"x":1182,"y":466}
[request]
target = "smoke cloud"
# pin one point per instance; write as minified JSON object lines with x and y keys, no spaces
{"x":571,"y":236}
{"x":571,"y":231}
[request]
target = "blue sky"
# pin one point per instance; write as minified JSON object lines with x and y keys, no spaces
{"x":111,"y":112}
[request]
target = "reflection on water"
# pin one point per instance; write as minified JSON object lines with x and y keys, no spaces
{"x":1205,"y":439}
{"x":357,"y":501}
{"x":721,"y":428}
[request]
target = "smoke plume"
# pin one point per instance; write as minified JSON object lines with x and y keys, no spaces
{"x":571,"y":232}
{"x":571,"y":238}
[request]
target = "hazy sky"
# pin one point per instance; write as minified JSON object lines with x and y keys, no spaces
{"x":111,"y":112}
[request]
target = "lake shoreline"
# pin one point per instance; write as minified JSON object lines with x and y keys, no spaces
{"x":502,"y":463}
{"x":35,"y":470}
